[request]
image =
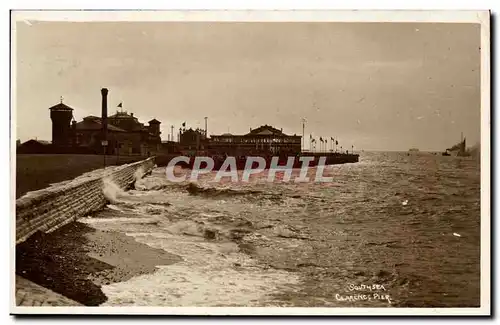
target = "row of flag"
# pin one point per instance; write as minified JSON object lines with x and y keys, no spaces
{"x":325,"y":140}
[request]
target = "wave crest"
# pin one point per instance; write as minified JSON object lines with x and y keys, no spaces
{"x":195,"y":189}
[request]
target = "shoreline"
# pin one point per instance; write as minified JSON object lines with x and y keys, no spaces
{"x":76,"y":260}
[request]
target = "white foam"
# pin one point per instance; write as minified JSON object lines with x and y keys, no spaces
{"x":121,"y":220}
{"x":212,"y":274}
{"x":113,"y":207}
{"x":139,"y":173}
{"x":110,"y":190}
{"x":185,"y":227}
{"x":184,"y":286}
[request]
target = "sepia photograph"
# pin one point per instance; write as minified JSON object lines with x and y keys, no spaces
{"x":273,"y":163}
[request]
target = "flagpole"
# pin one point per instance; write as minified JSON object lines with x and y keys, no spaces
{"x":303,"y":133}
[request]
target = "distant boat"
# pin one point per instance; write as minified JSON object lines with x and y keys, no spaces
{"x":414,"y":150}
{"x":458,"y":150}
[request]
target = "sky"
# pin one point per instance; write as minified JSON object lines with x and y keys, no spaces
{"x":374,"y":86}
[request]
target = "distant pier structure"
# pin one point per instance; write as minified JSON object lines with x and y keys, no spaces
{"x":265,"y":141}
{"x":262,"y":139}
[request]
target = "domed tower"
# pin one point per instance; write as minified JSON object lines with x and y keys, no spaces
{"x":61,"y":116}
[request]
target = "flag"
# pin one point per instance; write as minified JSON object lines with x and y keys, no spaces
{"x":120,"y":105}
{"x":332,"y":139}
{"x":320,"y":139}
{"x":336,"y":143}
{"x":184,"y":124}
{"x":310,"y":136}
{"x":313,"y":140}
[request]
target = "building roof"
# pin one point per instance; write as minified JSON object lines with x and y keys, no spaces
{"x":265,"y":130}
{"x":38,"y":142}
{"x":61,"y":107}
{"x":190,"y":130}
{"x":154,"y":121}
{"x":94,"y":123}
{"x":91,"y":117}
{"x":123,"y":115}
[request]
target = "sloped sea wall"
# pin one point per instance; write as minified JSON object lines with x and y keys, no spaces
{"x":48,"y":209}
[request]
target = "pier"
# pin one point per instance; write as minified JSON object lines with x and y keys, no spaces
{"x":330,"y":158}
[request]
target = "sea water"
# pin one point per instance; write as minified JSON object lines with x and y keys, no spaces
{"x":382,"y":233}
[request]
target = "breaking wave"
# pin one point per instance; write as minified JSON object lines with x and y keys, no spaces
{"x":111,"y":191}
{"x":240,"y":247}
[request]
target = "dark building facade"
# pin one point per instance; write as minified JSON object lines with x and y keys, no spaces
{"x":61,"y":116}
{"x":192,"y":140}
{"x":125,"y":135}
{"x":265,"y":139}
{"x":34,"y":146}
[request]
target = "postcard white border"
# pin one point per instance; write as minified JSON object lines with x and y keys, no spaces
{"x":448,"y":16}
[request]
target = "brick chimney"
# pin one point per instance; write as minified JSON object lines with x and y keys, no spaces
{"x":104,"y":93}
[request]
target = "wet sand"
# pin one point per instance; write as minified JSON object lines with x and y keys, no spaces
{"x":76,"y":260}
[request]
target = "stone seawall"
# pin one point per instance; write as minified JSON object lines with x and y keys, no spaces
{"x":48,"y":209}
